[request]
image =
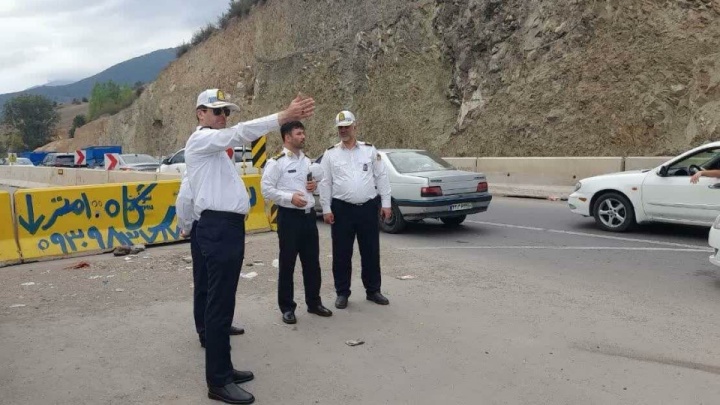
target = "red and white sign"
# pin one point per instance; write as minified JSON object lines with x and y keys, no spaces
{"x":80,"y":158}
{"x":111,"y":161}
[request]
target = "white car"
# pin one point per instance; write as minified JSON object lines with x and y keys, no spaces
{"x":242,"y":156}
{"x":664,"y":194}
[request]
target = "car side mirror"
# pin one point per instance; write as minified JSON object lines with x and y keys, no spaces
{"x":663,"y":172}
{"x":166,"y":161}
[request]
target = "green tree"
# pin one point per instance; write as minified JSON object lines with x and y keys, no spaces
{"x":109,"y":98}
{"x":33,"y":117}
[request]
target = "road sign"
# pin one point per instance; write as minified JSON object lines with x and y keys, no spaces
{"x":111,"y":161}
{"x":12,"y":158}
{"x":80,"y":158}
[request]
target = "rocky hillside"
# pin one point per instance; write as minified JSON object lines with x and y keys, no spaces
{"x":461,"y":77}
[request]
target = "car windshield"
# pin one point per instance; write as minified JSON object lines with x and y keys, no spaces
{"x":138,"y":159}
{"x":65,"y":159}
{"x":417,"y":161}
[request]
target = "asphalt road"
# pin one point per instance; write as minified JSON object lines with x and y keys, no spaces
{"x":524,"y":304}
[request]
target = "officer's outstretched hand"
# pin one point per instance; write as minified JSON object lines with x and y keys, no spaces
{"x":299,"y":109}
{"x":329,"y":218}
{"x":311,"y":186}
{"x":385,"y":213}
{"x":184,"y":234}
{"x":298,"y":200}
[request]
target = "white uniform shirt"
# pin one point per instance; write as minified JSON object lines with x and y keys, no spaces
{"x":214,"y":181}
{"x":184,"y":206}
{"x":352,"y":175}
{"x":285,"y":175}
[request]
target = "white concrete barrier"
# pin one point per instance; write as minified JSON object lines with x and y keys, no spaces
{"x":641,"y":162}
{"x":560,"y":171}
{"x":117,"y":176}
{"x":463,"y":163}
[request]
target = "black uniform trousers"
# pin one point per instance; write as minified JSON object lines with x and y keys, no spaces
{"x":199,"y":283}
{"x":221,"y":238}
{"x":298,"y":234}
{"x":351,"y":220}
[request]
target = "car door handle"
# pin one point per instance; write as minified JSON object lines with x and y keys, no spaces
{"x":715,"y":186}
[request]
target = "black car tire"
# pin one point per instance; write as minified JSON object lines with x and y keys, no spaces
{"x":396,"y":223}
{"x":453,"y":221}
{"x":613,"y":212}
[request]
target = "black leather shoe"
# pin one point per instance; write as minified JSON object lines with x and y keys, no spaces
{"x":378,"y":298}
{"x":341,"y":302}
{"x":320,"y":310}
{"x":240,"y":377}
{"x":289,"y":317}
{"x":231,"y":394}
{"x":236,"y":331}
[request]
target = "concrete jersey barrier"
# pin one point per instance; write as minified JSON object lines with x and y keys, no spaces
{"x":9,"y":250}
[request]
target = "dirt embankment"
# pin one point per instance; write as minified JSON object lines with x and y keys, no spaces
{"x":462,"y":78}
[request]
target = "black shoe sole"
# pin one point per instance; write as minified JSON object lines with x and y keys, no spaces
{"x":326,"y":315}
{"x":244,"y":380}
{"x":293,"y":322}
{"x":379,"y":303}
{"x":229,"y":401}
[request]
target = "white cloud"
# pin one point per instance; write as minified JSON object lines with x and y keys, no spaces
{"x":44,"y":40}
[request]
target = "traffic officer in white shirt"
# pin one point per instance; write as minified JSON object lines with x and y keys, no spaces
{"x":353,"y":176}
{"x":287,"y":182}
{"x":187,"y":220}
{"x":221,"y":202}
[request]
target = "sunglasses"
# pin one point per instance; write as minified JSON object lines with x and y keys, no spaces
{"x":218,"y":111}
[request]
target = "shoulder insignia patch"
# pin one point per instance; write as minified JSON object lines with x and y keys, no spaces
{"x":367,"y":144}
{"x":332,"y":147}
{"x":279,"y":155}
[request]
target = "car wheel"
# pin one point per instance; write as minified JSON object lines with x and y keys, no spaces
{"x":614,"y":212}
{"x":453,"y":221}
{"x":395,"y":224}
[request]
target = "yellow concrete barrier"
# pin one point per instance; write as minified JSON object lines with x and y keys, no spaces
{"x":9,"y":251}
{"x":256,"y":220}
{"x":56,"y":221}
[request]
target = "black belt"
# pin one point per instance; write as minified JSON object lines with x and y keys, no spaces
{"x":372,"y":200}
{"x":294,"y":211}
{"x":222,"y":215}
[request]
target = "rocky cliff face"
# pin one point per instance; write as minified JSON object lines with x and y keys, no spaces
{"x":462,"y":77}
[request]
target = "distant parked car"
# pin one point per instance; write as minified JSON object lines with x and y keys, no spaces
{"x":425,"y":186}
{"x":138,"y":162}
{"x":176,"y":162}
{"x":664,"y":194}
{"x":18,"y":162}
{"x":59,"y":160}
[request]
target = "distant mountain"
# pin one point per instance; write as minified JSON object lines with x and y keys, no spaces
{"x":140,"y":69}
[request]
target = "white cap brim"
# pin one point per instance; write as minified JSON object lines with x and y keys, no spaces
{"x":344,"y":123}
{"x":221,"y":104}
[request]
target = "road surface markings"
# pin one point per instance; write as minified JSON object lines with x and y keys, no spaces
{"x":592,"y":235}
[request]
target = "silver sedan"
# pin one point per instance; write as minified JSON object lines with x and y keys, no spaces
{"x":425,"y":186}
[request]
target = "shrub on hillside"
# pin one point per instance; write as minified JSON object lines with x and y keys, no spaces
{"x":203,"y":34}
{"x":182,"y":49}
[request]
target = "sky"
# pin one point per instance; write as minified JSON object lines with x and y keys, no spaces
{"x":47,"y":40}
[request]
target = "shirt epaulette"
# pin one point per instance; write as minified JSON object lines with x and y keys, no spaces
{"x":330,"y":147}
{"x":367,"y":143}
{"x":279,"y":155}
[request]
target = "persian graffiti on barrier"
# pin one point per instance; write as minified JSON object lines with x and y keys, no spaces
{"x":62,"y":221}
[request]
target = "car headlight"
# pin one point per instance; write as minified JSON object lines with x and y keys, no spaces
{"x":578,"y":185}
{"x":716,"y":225}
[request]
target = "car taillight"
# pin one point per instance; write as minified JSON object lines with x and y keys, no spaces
{"x":482,"y":187}
{"x":434,"y":191}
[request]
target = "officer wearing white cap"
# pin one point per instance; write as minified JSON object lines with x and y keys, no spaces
{"x":288,"y":182}
{"x":221,"y":202}
{"x":353,"y":176}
